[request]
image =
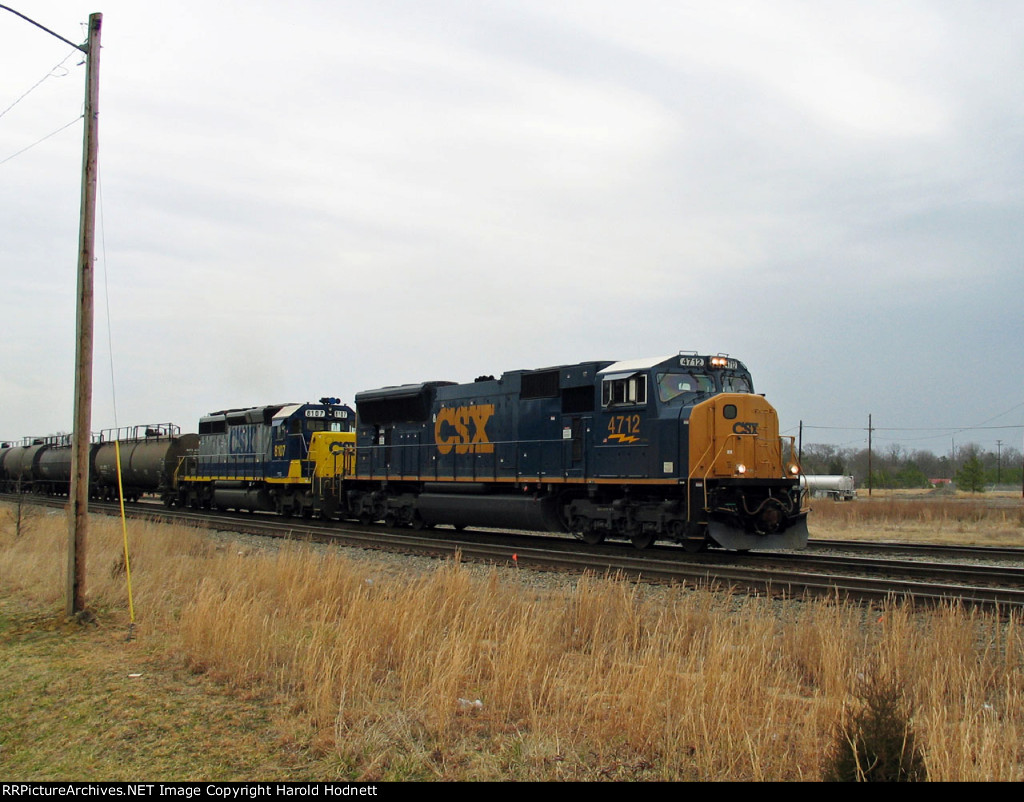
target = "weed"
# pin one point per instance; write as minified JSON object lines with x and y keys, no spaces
{"x":876,"y":743}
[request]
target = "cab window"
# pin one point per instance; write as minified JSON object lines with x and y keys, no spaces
{"x":674,"y":385}
{"x":735,"y":384}
{"x":624,"y":390}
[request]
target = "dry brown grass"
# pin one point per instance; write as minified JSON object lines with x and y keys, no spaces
{"x":988,"y":519}
{"x":377,"y":673}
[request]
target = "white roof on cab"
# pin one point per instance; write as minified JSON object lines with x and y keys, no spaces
{"x":286,"y":411}
{"x":633,"y":365}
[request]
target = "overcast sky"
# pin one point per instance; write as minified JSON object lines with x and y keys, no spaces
{"x":323,"y":196}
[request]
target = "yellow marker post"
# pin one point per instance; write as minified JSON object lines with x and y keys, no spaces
{"x":124,"y":530}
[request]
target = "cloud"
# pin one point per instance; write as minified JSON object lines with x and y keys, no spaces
{"x":329,"y":197}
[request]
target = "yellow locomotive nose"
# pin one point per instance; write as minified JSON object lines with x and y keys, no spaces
{"x":742,"y":477}
{"x":736,"y":434}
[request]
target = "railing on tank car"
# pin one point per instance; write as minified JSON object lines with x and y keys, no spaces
{"x":147,"y":431}
{"x":52,"y":440}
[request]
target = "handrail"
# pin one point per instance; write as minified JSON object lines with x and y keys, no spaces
{"x":145,"y":431}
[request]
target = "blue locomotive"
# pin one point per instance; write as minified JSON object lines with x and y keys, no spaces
{"x":284,"y":458}
{"x":676,"y":448}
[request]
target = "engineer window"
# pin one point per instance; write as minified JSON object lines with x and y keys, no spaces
{"x":735,"y":384}
{"x":676,"y":385}
{"x":624,"y":390}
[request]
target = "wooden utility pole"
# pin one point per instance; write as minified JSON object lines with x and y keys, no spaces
{"x":870,"y":430}
{"x":78,"y":504}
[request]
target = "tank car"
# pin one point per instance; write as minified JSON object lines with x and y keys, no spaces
{"x":284,"y":458}
{"x":149,"y":455}
{"x":6,"y":449}
{"x":39,"y":465}
{"x":52,"y":471}
{"x":675,"y":448}
{"x":837,"y":487}
{"x":21,"y":465}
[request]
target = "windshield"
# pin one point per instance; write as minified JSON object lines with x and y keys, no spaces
{"x":735,"y":384}
{"x":673,"y":386}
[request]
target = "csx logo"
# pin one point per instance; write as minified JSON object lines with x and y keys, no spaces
{"x":464,"y":429}
{"x":744,"y":428}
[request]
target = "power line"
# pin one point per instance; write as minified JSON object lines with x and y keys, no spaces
{"x":38,"y":83}
{"x":84,"y":48}
{"x":939,"y":430}
{"x":38,"y":141}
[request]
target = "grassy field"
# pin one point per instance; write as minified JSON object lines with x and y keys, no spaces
{"x":301,"y":663}
{"x":989,"y":519}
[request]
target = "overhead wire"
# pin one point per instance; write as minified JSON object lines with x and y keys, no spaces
{"x":936,"y":431}
{"x":113,"y":401}
{"x":40,"y":82}
{"x":39,"y":141}
{"x":50,"y":74}
{"x":106,"y":294}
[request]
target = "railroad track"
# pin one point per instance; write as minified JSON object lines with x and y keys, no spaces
{"x":935,"y":549}
{"x":789,"y":574}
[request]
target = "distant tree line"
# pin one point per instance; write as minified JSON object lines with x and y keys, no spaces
{"x":892,"y":466}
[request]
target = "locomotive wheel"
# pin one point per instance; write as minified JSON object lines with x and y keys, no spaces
{"x":584,"y":530}
{"x":695,"y":546}
{"x":643,"y":540}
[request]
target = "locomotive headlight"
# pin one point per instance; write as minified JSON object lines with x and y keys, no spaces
{"x":794,"y":469}
{"x":741,"y":468}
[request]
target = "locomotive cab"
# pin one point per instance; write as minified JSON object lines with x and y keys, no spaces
{"x":714,"y":468}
